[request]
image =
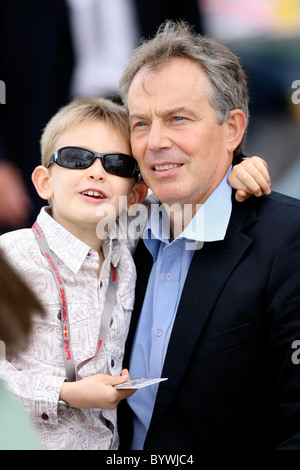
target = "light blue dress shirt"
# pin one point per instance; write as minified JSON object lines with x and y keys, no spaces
{"x":166,"y":280}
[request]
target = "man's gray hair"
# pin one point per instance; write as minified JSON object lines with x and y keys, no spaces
{"x":222,"y":67}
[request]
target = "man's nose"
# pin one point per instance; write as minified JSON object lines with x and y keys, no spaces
{"x":158,"y":137}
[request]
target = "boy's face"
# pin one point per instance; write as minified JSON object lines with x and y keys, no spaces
{"x":72,"y":207}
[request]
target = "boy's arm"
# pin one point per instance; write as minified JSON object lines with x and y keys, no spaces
{"x":95,"y":391}
{"x":250,"y":177}
{"x":38,"y":393}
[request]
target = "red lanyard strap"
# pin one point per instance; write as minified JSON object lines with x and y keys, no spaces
{"x":71,"y":370}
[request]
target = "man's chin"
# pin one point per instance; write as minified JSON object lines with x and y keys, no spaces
{"x":170,"y":195}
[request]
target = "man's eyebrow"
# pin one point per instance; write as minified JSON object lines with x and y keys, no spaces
{"x":136,"y":116}
{"x":169,"y":112}
{"x":177,"y":110}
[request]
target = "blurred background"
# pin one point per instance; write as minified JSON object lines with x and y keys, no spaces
{"x":53,"y":50}
{"x":265,"y":35}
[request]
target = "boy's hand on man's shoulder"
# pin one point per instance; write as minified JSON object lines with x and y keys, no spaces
{"x":250,"y":177}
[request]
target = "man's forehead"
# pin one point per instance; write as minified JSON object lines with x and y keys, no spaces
{"x":172,"y":85}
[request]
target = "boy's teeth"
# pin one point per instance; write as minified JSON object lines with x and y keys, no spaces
{"x":166,"y":167}
{"x":93,"y":193}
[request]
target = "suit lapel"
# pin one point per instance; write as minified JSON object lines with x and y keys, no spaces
{"x":143,"y":261}
{"x":210,"y":268}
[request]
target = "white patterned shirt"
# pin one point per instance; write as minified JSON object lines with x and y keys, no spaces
{"x":37,"y":374}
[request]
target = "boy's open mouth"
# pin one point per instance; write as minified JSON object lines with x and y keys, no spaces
{"x":93,"y":194}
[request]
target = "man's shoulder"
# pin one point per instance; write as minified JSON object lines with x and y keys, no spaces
{"x":275,"y":216}
{"x":279,"y":205}
{"x":282,"y":199}
{"x":271,"y":215}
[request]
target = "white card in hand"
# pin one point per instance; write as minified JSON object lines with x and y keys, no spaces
{"x":137,"y":383}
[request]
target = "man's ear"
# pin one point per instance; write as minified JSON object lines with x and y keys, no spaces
{"x":237,"y":123}
{"x":42,"y":182}
{"x":137,"y":195}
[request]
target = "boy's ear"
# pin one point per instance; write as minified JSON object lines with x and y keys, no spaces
{"x":137,"y":195}
{"x":42,"y":182}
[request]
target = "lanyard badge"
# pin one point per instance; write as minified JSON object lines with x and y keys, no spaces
{"x":71,"y":370}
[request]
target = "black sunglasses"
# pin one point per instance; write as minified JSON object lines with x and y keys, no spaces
{"x":77,"y":158}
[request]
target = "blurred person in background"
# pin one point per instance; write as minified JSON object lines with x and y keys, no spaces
{"x":17,"y":305}
{"x":265,"y":34}
{"x":105,"y":34}
{"x":36,"y":66}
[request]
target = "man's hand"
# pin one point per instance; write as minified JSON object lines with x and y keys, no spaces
{"x":250,"y":177}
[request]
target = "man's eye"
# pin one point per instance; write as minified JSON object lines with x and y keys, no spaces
{"x":178,"y":118}
{"x":138,"y":125}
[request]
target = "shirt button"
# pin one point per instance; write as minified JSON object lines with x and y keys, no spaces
{"x":158,"y":332}
{"x":89,"y":255}
{"x":45,"y":417}
{"x":169,"y":276}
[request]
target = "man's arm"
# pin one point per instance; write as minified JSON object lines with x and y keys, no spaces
{"x":284,"y":320}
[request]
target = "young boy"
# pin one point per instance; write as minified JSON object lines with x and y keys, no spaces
{"x":72,"y":271}
{"x":85,"y":419}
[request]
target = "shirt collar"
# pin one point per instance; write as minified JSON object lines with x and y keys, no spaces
{"x":69,"y":248}
{"x":209,"y":223}
{"x":211,"y":220}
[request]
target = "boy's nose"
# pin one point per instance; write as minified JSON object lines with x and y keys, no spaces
{"x":96,"y":170}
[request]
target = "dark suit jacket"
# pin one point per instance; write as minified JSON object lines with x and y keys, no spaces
{"x":232,"y":382}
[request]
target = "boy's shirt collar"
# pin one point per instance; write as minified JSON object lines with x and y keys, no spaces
{"x":72,"y":251}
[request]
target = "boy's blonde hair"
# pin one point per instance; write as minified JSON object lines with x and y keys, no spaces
{"x":79,"y":111}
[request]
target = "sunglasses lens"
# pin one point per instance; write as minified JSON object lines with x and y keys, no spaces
{"x":120,"y":165}
{"x":117,"y":164}
{"x":75,"y":158}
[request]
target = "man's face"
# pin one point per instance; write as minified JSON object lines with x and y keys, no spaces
{"x":181,"y":149}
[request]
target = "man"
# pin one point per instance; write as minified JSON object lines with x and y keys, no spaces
{"x":219,"y":319}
